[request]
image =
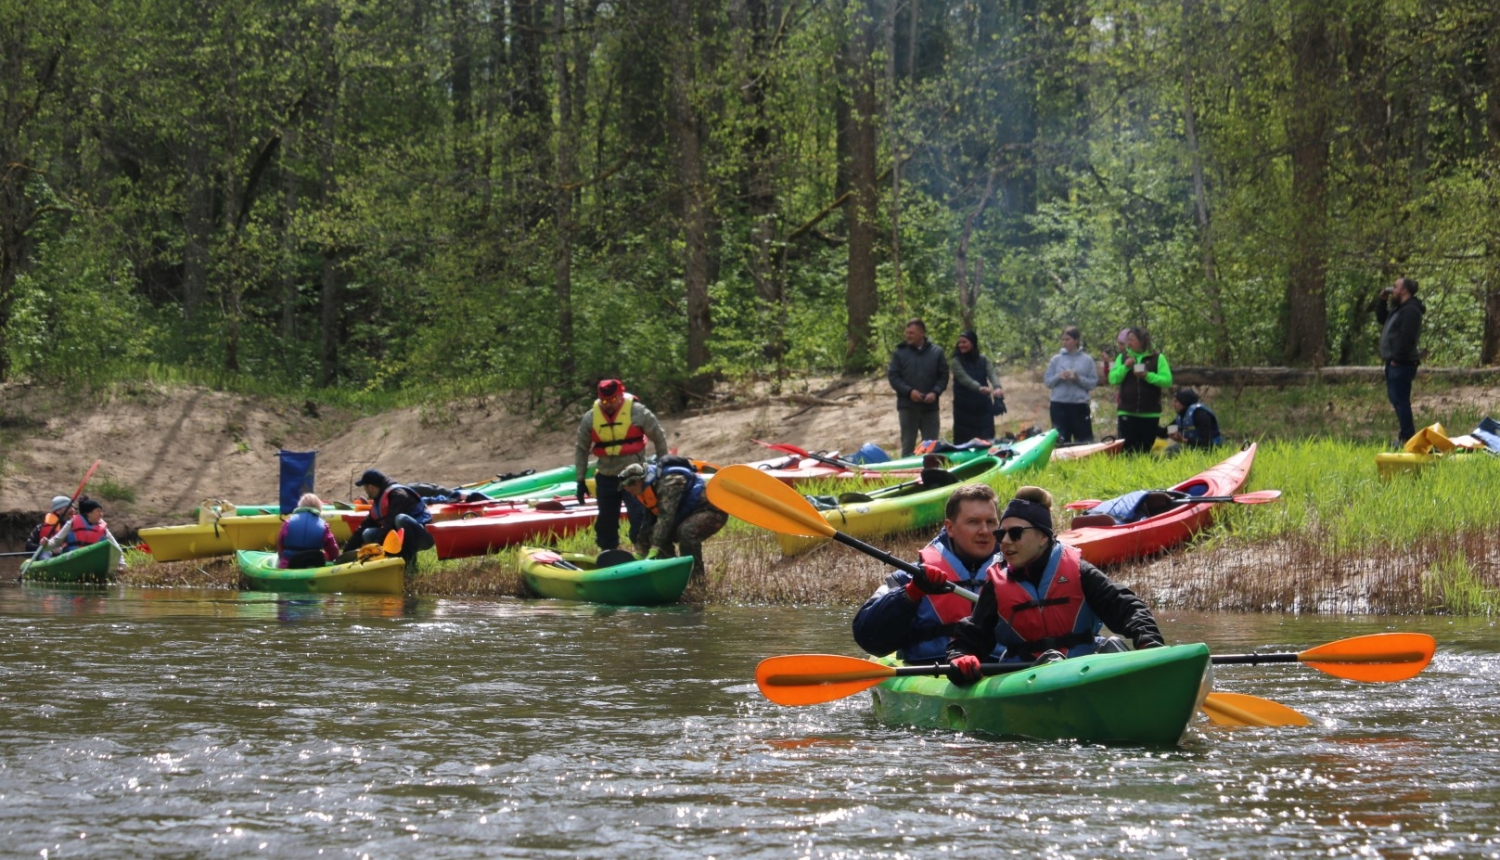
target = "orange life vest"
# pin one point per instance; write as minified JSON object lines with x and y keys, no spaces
{"x":83,"y":534}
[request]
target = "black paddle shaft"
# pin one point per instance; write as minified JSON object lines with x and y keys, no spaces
{"x":939,"y":669}
{"x":899,"y":564}
{"x":1252,"y":659}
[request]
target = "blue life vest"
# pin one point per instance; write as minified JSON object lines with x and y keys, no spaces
{"x":1189,"y":430}
{"x":692,"y":499}
{"x":304,"y":533}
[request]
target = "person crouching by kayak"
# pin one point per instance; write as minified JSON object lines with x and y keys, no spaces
{"x":60,"y":509}
{"x":677,"y":510}
{"x":85,"y":528}
{"x":305,"y":539}
{"x":1196,"y":425}
{"x":393,"y":507}
{"x":1046,"y":602}
{"x":915,"y":616}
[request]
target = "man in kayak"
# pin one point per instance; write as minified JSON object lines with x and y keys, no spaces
{"x":914,"y":616}
{"x":677,"y":510}
{"x":1046,"y":602}
{"x":393,"y":507}
{"x":59,"y":511}
{"x":615,"y":429}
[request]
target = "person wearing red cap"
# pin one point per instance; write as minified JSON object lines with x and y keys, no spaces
{"x":615,"y":430}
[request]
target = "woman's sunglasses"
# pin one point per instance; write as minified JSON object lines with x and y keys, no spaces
{"x":1014,"y":533}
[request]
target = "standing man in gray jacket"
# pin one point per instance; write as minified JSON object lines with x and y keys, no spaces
{"x":918,"y":373}
{"x":615,"y":429}
{"x":1071,"y":375}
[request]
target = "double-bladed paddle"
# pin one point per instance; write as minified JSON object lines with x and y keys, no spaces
{"x":793,"y":449}
{"x":810,"y":679}
{"x":1259,"y":497}
{"x":757,"y":498}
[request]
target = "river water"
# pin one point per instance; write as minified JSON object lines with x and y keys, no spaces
{"x":184,"y":723}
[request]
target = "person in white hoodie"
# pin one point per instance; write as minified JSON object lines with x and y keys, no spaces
{"x":1071,"y":374}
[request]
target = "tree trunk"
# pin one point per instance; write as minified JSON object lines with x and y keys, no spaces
{"x":862,"y":296}
{"x":694,"y":193}
{"x":1307,"y":311}
{"x":562,"y":198}
{"x":330,"y":313}
{"x":1216,"y":318}
{"x":461,"y":64}
{"x":1489,"y":351}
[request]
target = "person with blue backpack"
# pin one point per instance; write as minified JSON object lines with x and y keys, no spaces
{"x":305,"y":539}
{"x":677,"y":510}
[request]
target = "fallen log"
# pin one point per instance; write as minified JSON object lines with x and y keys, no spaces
{"x":1242,"y":377}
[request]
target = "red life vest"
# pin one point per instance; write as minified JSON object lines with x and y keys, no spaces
{"x":616,"y":436}
{"x":950,"y":608}
{"x":1049,"y":615}
{"x":84,"y":534}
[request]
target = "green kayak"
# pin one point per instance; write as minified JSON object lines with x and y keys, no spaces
{"x":1137,"y":697}
{"x":93,"y":563}
{"x":383,"y":575}
{"x":575,"y":576}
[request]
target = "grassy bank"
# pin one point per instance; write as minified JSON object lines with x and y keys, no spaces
{"x":1339,"y":540}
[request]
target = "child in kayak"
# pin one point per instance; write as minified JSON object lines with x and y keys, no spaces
{"x":85,"y":528}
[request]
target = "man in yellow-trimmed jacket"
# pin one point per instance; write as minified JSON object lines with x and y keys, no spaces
{"x":615,"y":430}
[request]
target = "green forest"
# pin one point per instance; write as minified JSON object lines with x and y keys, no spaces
{"x":478,"y":196}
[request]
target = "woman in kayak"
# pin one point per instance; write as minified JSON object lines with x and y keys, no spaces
{"x":85,"y":528}
{"x":1049,"y":603}
{"x":305,"y":540}
{"x":914,"y":616}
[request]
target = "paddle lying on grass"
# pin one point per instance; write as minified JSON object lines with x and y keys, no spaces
{"x":1259,"y":497}
{"x":813,"y":679}
{"x":793,"y":449}
{"x":758,"y":499}
{"x":761,"y":500}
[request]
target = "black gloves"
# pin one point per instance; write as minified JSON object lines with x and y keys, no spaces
{"x":964,"y":670}
{"x":583,"y":489}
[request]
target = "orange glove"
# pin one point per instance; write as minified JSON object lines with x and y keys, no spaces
{"x":370,"y":551}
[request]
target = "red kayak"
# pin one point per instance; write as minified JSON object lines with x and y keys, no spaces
{"x":1104,"y":544}
{"x":509,"y":527}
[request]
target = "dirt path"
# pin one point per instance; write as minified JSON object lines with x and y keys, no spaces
{"x":172,"y":448}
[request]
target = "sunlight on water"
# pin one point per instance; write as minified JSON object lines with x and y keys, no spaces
{"x":179,"y":722}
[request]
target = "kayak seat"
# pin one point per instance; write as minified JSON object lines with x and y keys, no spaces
{"x":1156,"y":503}
{"x":937,"y":478}
{"x":1085,"y":521}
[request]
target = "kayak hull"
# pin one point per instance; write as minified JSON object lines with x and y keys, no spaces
{"x":179,"y":543}
{"x":381,"y":576}
{"x":1137,"y":697}
{"x":94,"y":563}
{"x":796,"y":470}
{"x":258,"y":532}
{"x":638,"y":583}
{"x":1088,"y":449}
{"x":1110,"y":544}
{"x":919,"y":508}
{"x":502,"y":527}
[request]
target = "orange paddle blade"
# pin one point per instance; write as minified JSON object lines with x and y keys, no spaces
{"x":811,"y":679}
{"x":757,"y":498}
{"x":393,"y":541}
{"x":1238,"y":709}
{"x":1376,"y":657}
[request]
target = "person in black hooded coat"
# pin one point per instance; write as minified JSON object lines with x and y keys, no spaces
{"x":977,"y":396}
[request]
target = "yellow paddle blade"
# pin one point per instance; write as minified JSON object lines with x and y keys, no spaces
{"x":1238,"y":709}
{"x":811,"y":679}
{"x":393,"y":541}
{"x":1376,"y":657}
{"x":760,"y":500}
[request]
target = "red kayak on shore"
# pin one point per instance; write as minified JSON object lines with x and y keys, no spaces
{"x":505,"y":527}
{"x":1104,"y":543}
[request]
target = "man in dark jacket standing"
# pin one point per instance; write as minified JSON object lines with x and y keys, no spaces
{"x":1399,"y":311}
{"x":918,"y":372}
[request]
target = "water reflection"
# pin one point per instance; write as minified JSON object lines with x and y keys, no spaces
{"x":192,"y":723}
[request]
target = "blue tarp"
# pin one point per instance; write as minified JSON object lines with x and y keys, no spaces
{"x":1488,"y":432}
{"x":296,"y":477}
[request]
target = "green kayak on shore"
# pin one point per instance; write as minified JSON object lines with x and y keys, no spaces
{"x":575,"y":576}
{"x":1136,"y":697}
{"x":383,"y":575}
{"x":93,"y":563}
